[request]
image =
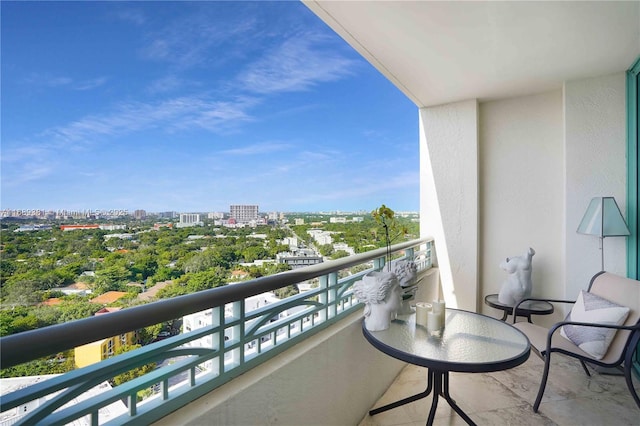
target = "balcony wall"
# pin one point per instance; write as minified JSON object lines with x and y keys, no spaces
{"x":333,"y":377}
{"x":526,"y":167}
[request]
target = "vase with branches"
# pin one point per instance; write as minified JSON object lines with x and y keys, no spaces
{"x":404,"y":271}
{"x":385,"y":217}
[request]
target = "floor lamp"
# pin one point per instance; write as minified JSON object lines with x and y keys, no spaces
{"x":603,"y":219}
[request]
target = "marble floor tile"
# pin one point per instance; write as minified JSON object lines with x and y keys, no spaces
{"x":506,"y":398}
{"x":520,"y":415}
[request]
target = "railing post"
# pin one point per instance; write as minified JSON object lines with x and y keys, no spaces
{"x":409,"y":254}
{"x":237,"y":331}
{"x":218,"y":322}
{"x":428,"y":252}
{"x":132,"y":399}
{"x":332,"y":294}
{"x":323,"y":297}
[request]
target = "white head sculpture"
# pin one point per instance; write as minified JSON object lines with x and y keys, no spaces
{"x":406,"y":271}
{"x":382,"y":296}
{"x":518,"y":284}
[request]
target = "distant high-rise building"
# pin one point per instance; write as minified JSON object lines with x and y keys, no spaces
{"x":167,"y":215}
{"x":244,"y":213}
{"x":140,"y":214}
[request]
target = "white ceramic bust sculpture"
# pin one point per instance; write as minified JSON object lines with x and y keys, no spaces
{"x":381,"y":294}
{"x":406,"y":271}
{"x":518,"y":284}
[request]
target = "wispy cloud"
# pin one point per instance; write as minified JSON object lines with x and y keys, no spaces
{"x":90,"y":84}
{"x":50,"y":81}
{"x":218,"y":116}
{"x":261,"y":148}
{"x":314,"y":156}
{"x":192,"y":40}
{"x":173,"y":114}
{"x":362,"y":187}
{"x":134,"y":16}
{"x":170,"y":83}
{"x":297,"y":162}
{"x":25,"y":164}
{"x":298,"y":64}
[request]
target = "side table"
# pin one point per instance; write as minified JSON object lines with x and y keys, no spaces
{"x":526,"y":309}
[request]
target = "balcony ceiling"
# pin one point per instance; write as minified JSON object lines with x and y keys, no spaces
{"x":442,"y":52}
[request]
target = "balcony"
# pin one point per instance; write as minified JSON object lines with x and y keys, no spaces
{"x":263,"y":364}
{"x":321,"y":371}
{"x":523,"y":112}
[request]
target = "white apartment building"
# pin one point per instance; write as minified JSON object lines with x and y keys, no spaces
{"x":111,"y":227}
{"x":338,"y":219}
{"x":244,"y":213}
{"x":204,"y":318}
{"x":292,"y":242}
{"x":321,"y":237}
{"x":13,"y":384}
{"x":344,"y":247}
{"x":189,"y":219}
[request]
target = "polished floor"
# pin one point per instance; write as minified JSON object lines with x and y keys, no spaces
{"x":505,"y":397}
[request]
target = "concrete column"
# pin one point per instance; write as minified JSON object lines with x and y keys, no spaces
{"x":449,"y":196}
{"x":595,"y":146}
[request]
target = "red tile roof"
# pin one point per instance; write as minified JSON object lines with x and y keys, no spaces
{"x":108,"y":297}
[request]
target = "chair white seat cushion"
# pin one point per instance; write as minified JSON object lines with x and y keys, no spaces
{"x":537,"y":336}
{"x":591,"y":308}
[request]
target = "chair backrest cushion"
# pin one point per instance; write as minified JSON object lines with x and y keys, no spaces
{"x":592,"y":308}
{"x":625,"y":292}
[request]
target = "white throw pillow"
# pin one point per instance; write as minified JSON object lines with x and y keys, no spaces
{"x":594,"y":309}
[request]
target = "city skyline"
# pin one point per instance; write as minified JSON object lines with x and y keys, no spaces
{"x":43,"y":213}
{"x":195,"y":106}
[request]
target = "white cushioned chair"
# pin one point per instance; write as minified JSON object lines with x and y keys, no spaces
{"x":618,"y":292}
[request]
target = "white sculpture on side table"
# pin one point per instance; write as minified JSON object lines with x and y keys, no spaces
{"x":406,"y":271}
{"x":381,"y":294}
{"x":518,"y":284}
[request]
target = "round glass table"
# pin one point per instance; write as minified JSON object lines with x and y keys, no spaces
{"x":469,"y":342}
{"x":525,"y":309}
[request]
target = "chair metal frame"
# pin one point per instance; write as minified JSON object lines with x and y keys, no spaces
{"x":624,"y":361}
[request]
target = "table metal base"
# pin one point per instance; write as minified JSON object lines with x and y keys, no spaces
{"x":506,"y":314}
{"x":438,"y":381}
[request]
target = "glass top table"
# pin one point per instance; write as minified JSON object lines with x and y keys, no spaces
{"x":469,"y":342}
{"x":525,"y":309}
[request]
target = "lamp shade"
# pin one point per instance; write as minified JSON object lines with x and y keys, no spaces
{"x":603,"y":219}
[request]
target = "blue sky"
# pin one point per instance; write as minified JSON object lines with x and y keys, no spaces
{"x":193,"y":106}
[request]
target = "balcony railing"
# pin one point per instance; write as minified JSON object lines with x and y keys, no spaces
{"x":231,"y":342}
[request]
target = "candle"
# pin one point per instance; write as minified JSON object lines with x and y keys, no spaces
{"x":422,"y":309}
{"x":438,"y":307}
{"x":434,"y":321}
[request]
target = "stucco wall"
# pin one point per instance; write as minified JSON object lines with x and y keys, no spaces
{"x":522,"y":189}
{"x":527,"y":168}
{"x":449,"y":196}
{"x":595,"y":138}
{"x":332,"y":378}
